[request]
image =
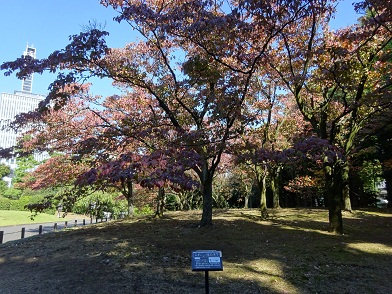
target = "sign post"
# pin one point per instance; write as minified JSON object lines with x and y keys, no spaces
{"x":207,"y":260}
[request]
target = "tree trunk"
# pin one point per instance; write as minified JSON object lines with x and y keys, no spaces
{"x":346,"y":186}
{"x":275,"y":188}
{"x":246,"y":202}
{"x":131,"y":209}
{"x":334,"y":193}
{"x":248,"y":191}
{"x":129,"y":197}
{"x":160,"y":202}
{"x":263,"y":196}
{"x":206,"y":181}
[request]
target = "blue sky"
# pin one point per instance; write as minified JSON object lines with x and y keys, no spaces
{"x":46,"y":24}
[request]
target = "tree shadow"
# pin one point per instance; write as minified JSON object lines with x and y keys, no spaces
{"x":154,"y":256}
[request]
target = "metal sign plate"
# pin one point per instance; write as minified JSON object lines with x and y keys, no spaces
{"x":207,"y":260}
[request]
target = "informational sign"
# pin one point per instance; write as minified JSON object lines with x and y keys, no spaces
{"x":207,"y":260}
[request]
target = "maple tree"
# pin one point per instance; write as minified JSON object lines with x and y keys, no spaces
{"x":92,"y":153}
{"x":187,"y":83}
{"x":275,"y":124}
{"x":193,"y":66}
{"x":356,"y":77}
{"x":338,"y":81}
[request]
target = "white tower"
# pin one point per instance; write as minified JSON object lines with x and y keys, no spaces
{"x":27,"y":83}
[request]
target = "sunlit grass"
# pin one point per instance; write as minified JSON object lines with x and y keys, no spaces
{"x":373,"y":248}
{"x":12,"y":217}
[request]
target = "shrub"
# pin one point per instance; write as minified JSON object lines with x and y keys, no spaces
{"x":96,"y":204}
{"x":171,"y":202}
{"x":3,"y":187}
{"x":8,"y":204}
{"x":40,"y":198}
{"x":5,"y":203}
{"x":23,"y":202}
{"x":120,"y":207}
{"x":12,"y":193}
{"x":144,"y":210}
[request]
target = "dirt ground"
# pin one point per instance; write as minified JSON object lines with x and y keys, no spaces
{"x":290,"y":253}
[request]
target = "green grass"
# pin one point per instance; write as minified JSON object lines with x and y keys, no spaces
{"x":12,"y":217}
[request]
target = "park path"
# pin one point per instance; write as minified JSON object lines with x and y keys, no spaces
{"x":11,"y":233}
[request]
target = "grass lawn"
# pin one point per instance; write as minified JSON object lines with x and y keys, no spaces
{"x":291,"y":252}
{"x":12,"y":217}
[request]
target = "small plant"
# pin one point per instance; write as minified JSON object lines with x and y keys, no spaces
{"x":145,"y":210}
{"x":12,"y":193}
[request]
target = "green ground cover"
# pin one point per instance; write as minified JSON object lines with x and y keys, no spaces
{"x":13,"y":217}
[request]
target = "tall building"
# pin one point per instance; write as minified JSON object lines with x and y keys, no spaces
{"x":14,"y":104}
{"x":27,"y":83}
{"x":10,"y":106}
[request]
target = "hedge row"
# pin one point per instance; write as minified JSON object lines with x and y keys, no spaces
{"x":8,"y":204}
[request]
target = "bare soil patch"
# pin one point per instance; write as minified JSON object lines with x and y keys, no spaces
{"x":291,"y":252}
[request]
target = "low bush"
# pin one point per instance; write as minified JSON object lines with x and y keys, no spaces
{"x":145,"y":210}
{"x":40,"y":198}
{"x":5,"y":203}
{"x":21,"y":204}
{"x":8,"y":204}
{"x":96,"y":204}
{"x":12,"y":193}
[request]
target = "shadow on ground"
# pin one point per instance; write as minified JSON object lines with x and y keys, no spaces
{"x":289,"y":253}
